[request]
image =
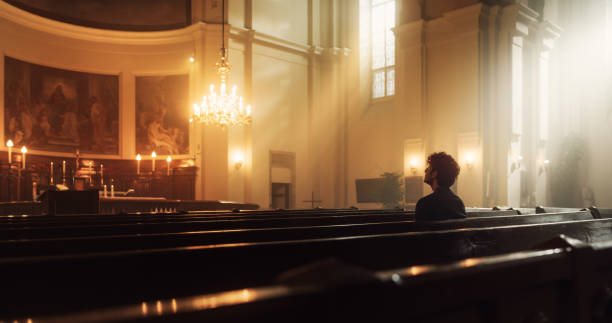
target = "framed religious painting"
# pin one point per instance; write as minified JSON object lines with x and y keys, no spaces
{"x":162,"y":114}
{"x":47,"y":108}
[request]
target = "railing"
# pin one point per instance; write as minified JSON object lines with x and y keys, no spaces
{"x":18,"y":184}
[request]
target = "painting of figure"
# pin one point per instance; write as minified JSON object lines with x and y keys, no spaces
{"x":162,"y":114}
{"x":51,"y":109}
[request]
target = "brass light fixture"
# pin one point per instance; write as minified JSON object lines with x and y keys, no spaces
{"x":222,"y":109}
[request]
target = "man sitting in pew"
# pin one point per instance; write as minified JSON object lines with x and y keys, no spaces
{"x":441,"y":172}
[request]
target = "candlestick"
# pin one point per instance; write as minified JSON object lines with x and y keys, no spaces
{"x":24,"y":150}
{"x":168,"y":160}
{"x":34,"y":195}
{"x":112,"y":190}
{"x":64,"y":172}
{"x":101,"y":174}
{"x":9,"y":144}
{"x":105,"y":193}
{"x":51,"y":174}
{"x":153,"y":155}
{"x":138,"y":158}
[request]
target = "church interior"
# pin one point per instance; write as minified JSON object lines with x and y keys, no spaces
{"x":251,"y":160}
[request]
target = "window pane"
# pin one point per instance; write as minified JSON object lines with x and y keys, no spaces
{"x":378,"y":84}
{"x":390,"y":39}
{"x":375,"y":2}
{"x":364,"y":26}
{"x":391,"y":81}
{"x":378,"y":37}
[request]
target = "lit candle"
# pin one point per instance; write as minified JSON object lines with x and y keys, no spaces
{"x":105,"y":192}
{"x":112,"y":190}
{"x":138,"y":158}
{"x":169,"y":159}
{"x":24,"y":150}
{"x":101,"y":174}
{"x":51,"y":173}
{"x":9,"y":144}
{"x":153,"y":155}
{"x":64,"y":170}
{"x":34,"y":191}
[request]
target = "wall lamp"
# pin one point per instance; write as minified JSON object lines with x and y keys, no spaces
{"x":413,"y":166}
{"x":543,"y":166}
{"x":469,"y":160}
{"x":516,"y":164}
{"x":238,"y":160}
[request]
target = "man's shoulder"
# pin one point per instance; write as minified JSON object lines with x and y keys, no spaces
{"x":425,"y":198}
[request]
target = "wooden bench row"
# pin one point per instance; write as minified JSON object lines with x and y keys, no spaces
{"x":56,"y":240}
{"x":75,"y":281}
{"x":398,"y":222}
{"x":551,"y":285}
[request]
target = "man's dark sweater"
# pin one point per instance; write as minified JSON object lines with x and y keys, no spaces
{"x":442,"y":204}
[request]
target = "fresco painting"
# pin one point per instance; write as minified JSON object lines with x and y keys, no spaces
{"x":51,"y":109}
{"x":162,"y":114}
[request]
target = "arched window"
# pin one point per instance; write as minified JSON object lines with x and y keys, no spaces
{"x":377,"y":23}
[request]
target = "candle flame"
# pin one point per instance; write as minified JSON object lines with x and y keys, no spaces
{"x":138,"y":157}
{"x":9,"y":143}
{"x":24,"y":149}
{"x":153,"y":154}
{"x":169,"y":159}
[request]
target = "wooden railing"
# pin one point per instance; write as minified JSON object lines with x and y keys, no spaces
{"x":18,"y":184}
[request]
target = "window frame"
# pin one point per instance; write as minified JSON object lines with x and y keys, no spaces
{"x":386,"y":68}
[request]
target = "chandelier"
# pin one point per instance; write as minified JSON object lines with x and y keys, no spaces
{"x":222,"y":109}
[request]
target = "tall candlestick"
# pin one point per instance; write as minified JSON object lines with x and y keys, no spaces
{"x":63,"y":172}
{"x":9,"y":144}
{"x":24,"y":150}
{"x":101,"y":174}
{"x":153,"y":155}
{"x":51,"y":174}
{"x":168,"y":160}
{"x":105,"y":192}
{"x":112,"y":190}
{"x":138,"y":158}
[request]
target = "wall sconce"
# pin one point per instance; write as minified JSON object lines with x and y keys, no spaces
{"x":238,"y":160}
{"x":516,"y":164}
{"x":413,"y":166}
{"x":469,"y":160}
{"x":543,"y":166}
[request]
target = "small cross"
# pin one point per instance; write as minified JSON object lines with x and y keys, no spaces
{"x":313,"y":201}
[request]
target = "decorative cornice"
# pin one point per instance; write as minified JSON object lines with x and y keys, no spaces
{"x":38,"y":23}
{"x":183,"y":35}
{"x":335,"y":52}
{"x":280,"y":43}
{"x":316,"y":50}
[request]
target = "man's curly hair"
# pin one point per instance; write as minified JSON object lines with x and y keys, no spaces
{"x":446,"y":166}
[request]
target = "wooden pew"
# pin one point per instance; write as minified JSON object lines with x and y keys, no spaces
{"x":271,"y":230}
{"x":129,"y":276}
{"x":191,"y":215}
{"x":82,"y":221}
{"x":65,"y":231}
{"x":529,"y":286}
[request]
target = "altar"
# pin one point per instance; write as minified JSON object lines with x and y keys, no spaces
{"x":21,"y":181}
